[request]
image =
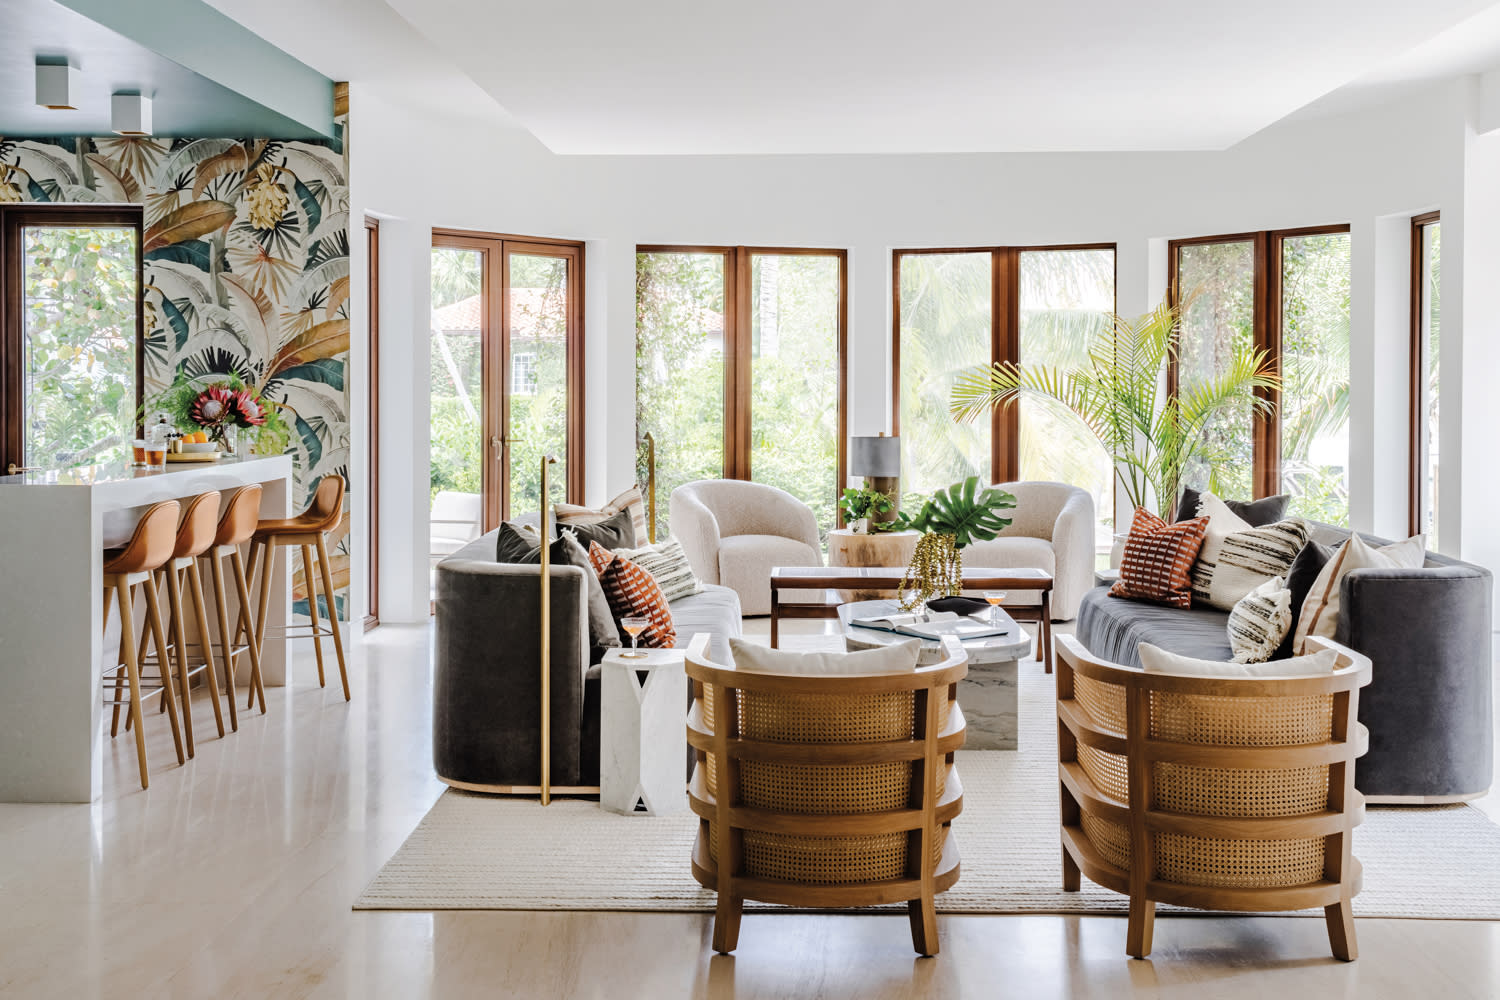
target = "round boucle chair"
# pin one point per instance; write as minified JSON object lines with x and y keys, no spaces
{"x":735,"y":532}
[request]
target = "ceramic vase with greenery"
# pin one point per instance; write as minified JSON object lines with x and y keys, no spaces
{"x":1151,"y":436}
{"x":862,"y":503}
{"x":950,"y":520}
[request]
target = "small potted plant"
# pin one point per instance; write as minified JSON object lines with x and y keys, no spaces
{"x":223,"y":407}
{"x":949,"y":520}
{"x":862,"y":503}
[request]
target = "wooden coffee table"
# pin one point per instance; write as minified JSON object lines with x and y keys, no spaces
{"x":888,"y":579}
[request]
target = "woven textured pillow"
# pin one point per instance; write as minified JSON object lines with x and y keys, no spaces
{"x":1247,"y":559}
{"x":1222,"y":522}
{"x":668,"y":565}
{"x":1159,"y":559}
{"x":631,"y":591}
{"x":631,"y":500}
{"x":1259,"y":621}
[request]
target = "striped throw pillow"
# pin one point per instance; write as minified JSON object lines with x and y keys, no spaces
{"x":1158,"y":560}
{"x":631,"y":591}
{"x":631,"y":500}
{"x":1259,"y":621}
{"x":668,"y":564}
{"x":1247,"y":559}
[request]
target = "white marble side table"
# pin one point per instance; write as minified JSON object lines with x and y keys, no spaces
{"x":643,"y":733}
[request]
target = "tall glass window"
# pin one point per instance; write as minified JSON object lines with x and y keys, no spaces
{"x":1426,"y":343}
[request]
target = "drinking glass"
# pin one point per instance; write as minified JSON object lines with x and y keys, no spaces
{"x":994,"y":597}
{"x":156,"y":455}
{"x":635,"y":626}
{"x":138,"y":452}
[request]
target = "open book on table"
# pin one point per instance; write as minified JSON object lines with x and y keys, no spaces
{"x":933,"y":625}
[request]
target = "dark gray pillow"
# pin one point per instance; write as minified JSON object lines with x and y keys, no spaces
{"x":1256,"y":513}
{"x":517,"y":545}
{"x":1299,"y":580}
{"x":614,"y":532}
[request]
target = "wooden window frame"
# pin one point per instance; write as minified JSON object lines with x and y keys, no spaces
{"x":1266,"y":330}
{"x":1417,"y":453}
{"x":738,"y":386}
{"x":372,"y":416}
{"x":14,"y":218}
{"x":1005,"y":338}
{"x":496,"y":249}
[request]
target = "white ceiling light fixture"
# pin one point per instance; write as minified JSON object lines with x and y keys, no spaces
{"x":58,"y":86}
{"x":130,"y":114}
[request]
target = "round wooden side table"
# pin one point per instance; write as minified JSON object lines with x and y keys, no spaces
{"x":888,"y":548}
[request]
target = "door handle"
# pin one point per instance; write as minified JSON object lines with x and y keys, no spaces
{"x":15,"y":469}
{"x":499,"y":443}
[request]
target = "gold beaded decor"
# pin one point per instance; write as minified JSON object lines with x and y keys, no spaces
{"x":937,"y":569}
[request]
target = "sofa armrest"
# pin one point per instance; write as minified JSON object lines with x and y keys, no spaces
{"x":1429,"y":708}
{"x":1073,"y":549}
{"x":697,"y":530}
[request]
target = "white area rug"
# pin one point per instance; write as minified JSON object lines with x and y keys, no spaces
{"x":486,"y":853}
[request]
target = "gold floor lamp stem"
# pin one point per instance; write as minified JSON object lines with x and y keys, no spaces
{"x":546,"y":783}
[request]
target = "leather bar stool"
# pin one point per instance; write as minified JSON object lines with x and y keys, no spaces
{"x":149,"y":548}
{"x":236,"y":527}
{"x":195,"y":534}
{"x":307,"y":530}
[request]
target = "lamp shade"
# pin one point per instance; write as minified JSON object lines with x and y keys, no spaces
{"x":875,"y":457}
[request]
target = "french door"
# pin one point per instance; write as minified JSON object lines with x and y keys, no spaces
{"x":71,"y":350}
{"x":507,"y":378}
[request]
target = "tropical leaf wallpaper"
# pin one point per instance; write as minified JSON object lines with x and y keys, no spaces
{"x":246,"y":247}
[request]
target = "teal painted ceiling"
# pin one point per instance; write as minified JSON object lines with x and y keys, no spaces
{"x":207,"y":75}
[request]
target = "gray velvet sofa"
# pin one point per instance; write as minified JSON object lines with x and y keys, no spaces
{"x":1427,"y":631}
{"x":486,"y":728}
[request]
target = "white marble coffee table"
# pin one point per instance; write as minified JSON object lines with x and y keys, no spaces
{"x":642,"y":733}
{"x":990,"y":691}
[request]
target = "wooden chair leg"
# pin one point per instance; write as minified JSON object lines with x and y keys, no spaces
{"x":226,"y":647}
{"x":923,"y":915}
{"x":133,"y":673}
{"x":267,"y":567}
{"x":1139,"y":927}
{"x":1340,"y":920}
{"x":309,"y":584}
{"x":178,"y":633}
{"x":163,"y":657}
{"x":205,"y":641}
{"x":333,"y":615}
{"x":727,"y":923}
{"x":242,"y":587}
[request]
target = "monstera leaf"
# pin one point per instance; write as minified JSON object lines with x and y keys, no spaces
{"x":967,"y":511}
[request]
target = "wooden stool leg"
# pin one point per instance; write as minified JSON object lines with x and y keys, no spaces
{"x":163,"y":657}
{"x":242,"y":587}
{"x":1138,"y":927}
{"x":267,"y":567}
{"x":309,"y":584}
{"x":333,"y":615}
{"x":132,"y":670}
{"x":120,"y":679}
{"x":727,"y":922}
{"x":226,"y":646}
{"x":205,"y":641}
{"x":178,"y":633}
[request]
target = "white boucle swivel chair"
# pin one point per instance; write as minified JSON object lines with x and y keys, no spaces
{"x":734,"y":532}
{"x":1052,"y":529}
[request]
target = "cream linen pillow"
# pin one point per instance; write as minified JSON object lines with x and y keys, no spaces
{"x":1155,"y":660}
{"x":1222,"y":522}
{"x":1320,"y":611}
{"x":631,"y":500}
{"x":897,"y":658}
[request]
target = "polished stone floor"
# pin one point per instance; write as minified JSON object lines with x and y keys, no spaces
{"x":232,"y":877}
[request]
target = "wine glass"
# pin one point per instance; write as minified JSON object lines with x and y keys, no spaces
{"x":994,"y":597}
{"x":634,"y":625}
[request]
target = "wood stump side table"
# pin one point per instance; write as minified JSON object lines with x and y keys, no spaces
{"x":643,"y":733}
{"x":888,"y":548}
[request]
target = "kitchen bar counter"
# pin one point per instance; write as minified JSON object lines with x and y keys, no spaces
{"x":53,"y":529}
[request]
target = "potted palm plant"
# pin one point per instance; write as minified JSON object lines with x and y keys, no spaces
{"x":1150,"y":435}
{"x":949,"y":520}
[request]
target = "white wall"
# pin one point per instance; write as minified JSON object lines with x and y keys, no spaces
{"x":1371,"y":170}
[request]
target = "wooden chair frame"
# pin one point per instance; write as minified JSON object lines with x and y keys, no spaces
{"x":925,"y":819}
{"x":1081,"y":798}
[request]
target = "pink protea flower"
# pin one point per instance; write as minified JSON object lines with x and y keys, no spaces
{"x":211,"y":407}
{"x":247,"y":408}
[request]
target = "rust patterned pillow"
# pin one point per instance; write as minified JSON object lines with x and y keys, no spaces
{"x":632,"y":591}
{"x":1158,"y":561}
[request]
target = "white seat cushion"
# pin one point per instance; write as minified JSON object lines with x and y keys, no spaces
{"x":746,"y":561}
{"x":715,"y":610}
{"x":897,"y":658}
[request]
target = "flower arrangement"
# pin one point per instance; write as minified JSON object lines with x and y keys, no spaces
{"x":216,"y":403}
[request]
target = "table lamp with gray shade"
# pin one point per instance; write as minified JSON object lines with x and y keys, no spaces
{"x":878,"y":460}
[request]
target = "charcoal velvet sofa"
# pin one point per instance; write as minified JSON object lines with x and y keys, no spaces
{"x":1428,"y":709}
{"x":486,"y":718}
